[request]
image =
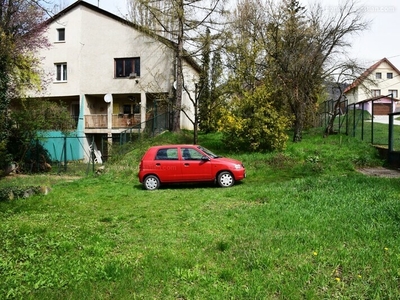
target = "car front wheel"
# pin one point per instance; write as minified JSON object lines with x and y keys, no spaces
{"x":151,"y":183}
{"x":225,"y":179}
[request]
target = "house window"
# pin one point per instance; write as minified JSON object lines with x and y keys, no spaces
{"x":61,"y":72}
{"x":376,"y":93}
{"x":378,"y":75}
{"x":61,"y":34}
{"x":127,"y":109}
{"x":389,"y":75}
{"x":394,"y":92}
{"x":127,"y":67}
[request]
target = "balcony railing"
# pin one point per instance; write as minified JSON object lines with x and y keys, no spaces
{"x":125,"y":120}
{"x":96,"y":121}
{"x":118,"y":121}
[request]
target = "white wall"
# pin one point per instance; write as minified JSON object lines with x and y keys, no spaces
{"x":92,"y":42}
{"x":360,"y":93}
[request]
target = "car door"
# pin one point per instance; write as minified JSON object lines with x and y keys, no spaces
{"x":193,"y":167}
{"x":166,"y":165}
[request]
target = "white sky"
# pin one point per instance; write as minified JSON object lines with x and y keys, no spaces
{"x":381,"y":40}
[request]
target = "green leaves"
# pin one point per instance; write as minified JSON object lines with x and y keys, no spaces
{"x":254,"y":123}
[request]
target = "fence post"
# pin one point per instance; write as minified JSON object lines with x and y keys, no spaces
{"x":390,"y":146}
{"x":37,"y":156}
{"x":92,"y":154}
{"x":362,"y":122}
{"x":354,"y":120}
{"x":65,"y":154}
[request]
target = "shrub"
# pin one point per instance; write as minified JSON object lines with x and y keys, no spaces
{"x":253,"y":123}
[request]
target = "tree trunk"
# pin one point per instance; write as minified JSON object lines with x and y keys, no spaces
{"x":298,"y":129}
{"x":329,"y":128}
{"x":176,"y":126}
{"x":299,"y":114}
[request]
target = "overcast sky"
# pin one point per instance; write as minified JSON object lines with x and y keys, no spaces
{"x":381,"y":40}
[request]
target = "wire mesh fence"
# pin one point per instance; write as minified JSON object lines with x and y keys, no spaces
{"x":79,"y":153}
{"x":355,"y":120}
{"x":382,"y":131}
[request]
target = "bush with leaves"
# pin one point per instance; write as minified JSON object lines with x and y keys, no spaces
{"x":253,"y":123}
{"x":29,"y":117}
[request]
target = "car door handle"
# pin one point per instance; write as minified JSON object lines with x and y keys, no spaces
{"x":158,"y":164}
{"x":186,"y":164}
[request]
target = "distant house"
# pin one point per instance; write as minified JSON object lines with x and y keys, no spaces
{"x":377,"y":89}
{"x":111,"y":74}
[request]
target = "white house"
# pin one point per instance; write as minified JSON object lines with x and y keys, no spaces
{"x":111,"y":73}
{"x":377,"y":89}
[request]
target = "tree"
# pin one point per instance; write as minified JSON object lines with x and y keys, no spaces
{"x":29,"y":117}
{"x":211,"y":104}
{"x":291,"y":48}
{"x":21,"y":27}
{"x":342,"y":74}
{"x":180,"y":21}
{"x":302,"y":48}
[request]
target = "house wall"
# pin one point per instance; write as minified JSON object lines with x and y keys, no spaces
{"x":360,"y":93}
{"x":368,"y":106}
{"x":92,"y":41}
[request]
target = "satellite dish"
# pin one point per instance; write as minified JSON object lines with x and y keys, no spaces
{"x":108,"y":98}
{"x":174,"y":85}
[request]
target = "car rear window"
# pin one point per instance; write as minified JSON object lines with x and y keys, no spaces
{"x":167,"y":154}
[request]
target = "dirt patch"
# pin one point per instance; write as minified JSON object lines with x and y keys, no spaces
{"x":380,"y":172}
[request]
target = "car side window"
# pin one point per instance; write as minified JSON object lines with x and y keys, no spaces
{"x":167,"y":154}
{"x":191,"y":154}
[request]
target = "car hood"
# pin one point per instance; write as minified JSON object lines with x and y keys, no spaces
{"x":227,"y":160}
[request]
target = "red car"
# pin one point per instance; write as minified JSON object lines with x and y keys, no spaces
{"x":187,"y":163}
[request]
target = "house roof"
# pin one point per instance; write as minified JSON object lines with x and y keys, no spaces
{"x":142,"y":29}
{"x":368,"y":71}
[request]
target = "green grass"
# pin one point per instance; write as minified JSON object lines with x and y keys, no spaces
{"x":303,"y":225}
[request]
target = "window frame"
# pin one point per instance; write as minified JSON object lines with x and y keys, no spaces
{"x":61,"y":72}
{"x":125,"y":66}
{"x":378,"y":75}
{"x":191,"y":154}
{"x":376,"y":93}
{"x":389,"y":75}
{"x":167,"y":154}
{"x":59,"y":31}
{"x":395,"y":93}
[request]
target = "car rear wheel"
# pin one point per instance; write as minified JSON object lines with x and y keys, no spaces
{"x":151,"y":182}
{"x":225,"y":179}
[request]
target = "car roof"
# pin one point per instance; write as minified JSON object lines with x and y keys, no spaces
{"x":173,"y":145}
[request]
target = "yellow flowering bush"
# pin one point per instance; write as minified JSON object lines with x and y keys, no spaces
{"x":253,"y":123}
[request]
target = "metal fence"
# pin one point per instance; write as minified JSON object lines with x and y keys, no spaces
{"x":354,"y":120}
{"x":149,"y":128}
{"x":77,"y":153}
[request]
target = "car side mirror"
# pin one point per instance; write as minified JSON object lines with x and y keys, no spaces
{"x":205,"y":158}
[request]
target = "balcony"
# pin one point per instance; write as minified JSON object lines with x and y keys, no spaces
{"x":96,"y":121}
{"x":100,"y":121}
{"x":125,"y":120}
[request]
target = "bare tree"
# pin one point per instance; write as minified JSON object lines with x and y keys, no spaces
{"x":343,"y":74}
{"x":181,"y":21}
{"x":307,"y":45}
{"x":293,"y":47}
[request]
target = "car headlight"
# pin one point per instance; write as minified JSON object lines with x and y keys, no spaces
{"x":237,"y":166}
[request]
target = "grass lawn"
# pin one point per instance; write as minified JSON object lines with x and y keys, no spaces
{"x":303,"y":225}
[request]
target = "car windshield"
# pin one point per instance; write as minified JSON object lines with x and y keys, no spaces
{"x":208,"y":152}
